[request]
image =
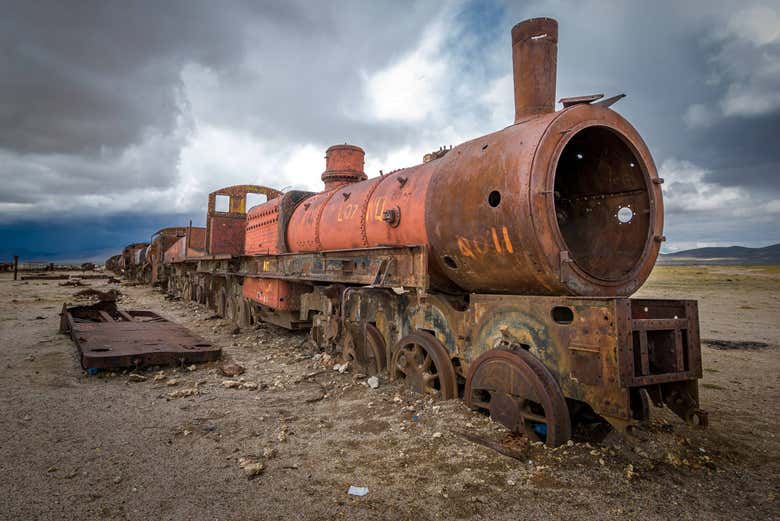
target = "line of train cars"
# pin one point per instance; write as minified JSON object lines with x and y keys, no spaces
{"x":498,"y":271}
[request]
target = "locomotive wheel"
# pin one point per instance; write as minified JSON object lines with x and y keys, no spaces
{"x":520,"y":393}
{"x":424,"y":364}
{"x":371,"y":357}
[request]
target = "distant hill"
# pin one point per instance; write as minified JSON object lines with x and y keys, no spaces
{"x":724,"y":255}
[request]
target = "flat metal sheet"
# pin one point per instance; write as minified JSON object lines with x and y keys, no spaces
{"x":107,"y":337}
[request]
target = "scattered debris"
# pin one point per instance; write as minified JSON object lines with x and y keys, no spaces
{"x":73,"y":282}
{"x":734,"y":344}
{"x":496,"y":446}
{"x":231,"y":370}
{"x":251,"y":467}
{"x":181,"y":393}
{"x":341,"y":368}
{"x":101,"y":296}
{"x":357,"y":491}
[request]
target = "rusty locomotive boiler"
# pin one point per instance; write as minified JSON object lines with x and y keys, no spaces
{"x":498,"y":271}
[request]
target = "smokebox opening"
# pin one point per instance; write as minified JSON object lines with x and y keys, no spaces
{"x":602,"y":203}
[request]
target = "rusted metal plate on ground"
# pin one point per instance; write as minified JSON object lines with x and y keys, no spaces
{"x":108,"y":337}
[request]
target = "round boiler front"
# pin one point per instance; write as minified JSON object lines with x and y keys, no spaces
{"x":602,"y":205}
{"x":597,"y":196}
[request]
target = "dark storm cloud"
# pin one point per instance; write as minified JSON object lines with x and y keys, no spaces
{"x":92,"y":98}
{"x":81,"y":77}
{"x":100,"y":100}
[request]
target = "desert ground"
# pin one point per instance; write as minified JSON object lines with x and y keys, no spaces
{"x":179,"y":444}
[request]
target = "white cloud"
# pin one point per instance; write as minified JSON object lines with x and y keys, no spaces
{"x":699,"y":115}
{"x":409,"y":90}
{"x":688,"y":191}
{"x":747,"y":66}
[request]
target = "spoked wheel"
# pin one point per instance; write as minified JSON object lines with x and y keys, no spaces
{"x":520,"y":393}
{"x":424,"y":364}
{"x":371,"y":356}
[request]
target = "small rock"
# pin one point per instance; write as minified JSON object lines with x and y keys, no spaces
{"x":135,"y":377}
{"x":27,"y":418}
{"x":236,"y":330}
{"x":629,"y":472}
{"x":183,"y":392}
{"x":249,"y":385}
{"x":269,"y":452}
{"x":231,"y":384}
{"x":172,"y":382}
{"x":250,"y":467}
{"x":436,"y":435}
{"x":231,"y":370}
{"x":159,"y":376}
{"x":373,"y":382}
{"x":117,"y":480}
{"x":192,"y":368}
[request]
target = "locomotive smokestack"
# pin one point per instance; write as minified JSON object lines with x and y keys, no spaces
{"x":535,"y":63}
{"x":343,"y":165}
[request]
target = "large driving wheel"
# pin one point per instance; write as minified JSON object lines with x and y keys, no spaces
{"x":520,"y":393}
{"x":368,"y":357}
{"x":424,"y":365}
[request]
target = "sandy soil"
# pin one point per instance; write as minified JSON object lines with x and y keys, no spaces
{"x":74,"y":446}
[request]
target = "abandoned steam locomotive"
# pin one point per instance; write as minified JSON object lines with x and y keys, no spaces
{"x":498,"y":270}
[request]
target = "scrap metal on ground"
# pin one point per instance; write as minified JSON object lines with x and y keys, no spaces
{"x":109,"y":337}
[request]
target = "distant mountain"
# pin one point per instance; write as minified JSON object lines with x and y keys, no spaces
{"x":724,"y":255}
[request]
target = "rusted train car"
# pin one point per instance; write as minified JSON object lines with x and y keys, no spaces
{"x":498,"y":271}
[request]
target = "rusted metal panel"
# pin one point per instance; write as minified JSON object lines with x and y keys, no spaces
{"x":274,"y":293}
{"x":225,"y":229}
{"x":384,"y":267}
{"x":107,"y":337}
{"x":267,"y":224}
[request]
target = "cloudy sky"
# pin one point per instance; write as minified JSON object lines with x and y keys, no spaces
{"x":117,"y":118}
